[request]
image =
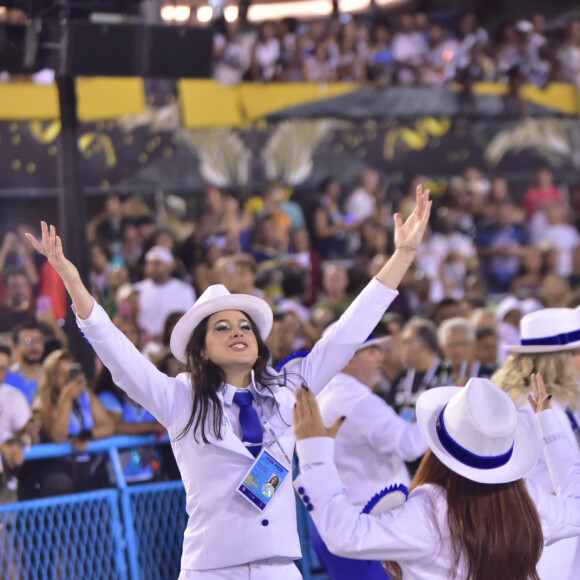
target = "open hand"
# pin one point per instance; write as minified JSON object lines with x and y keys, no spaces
{"x":540,"y":399}
{"x":51,"y":247}
{"x":410,"y":233}
{"x":307,"y":418}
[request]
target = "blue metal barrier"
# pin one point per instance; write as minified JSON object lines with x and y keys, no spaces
{"x":129,"y":532}
{"x":75,"y":536}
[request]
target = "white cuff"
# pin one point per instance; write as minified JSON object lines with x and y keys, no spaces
{"x":315,"y":450}
{"x":550,"y":428}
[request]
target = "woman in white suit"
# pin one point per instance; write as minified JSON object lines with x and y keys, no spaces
{"x":470,"y":514}
{"x":228,"y":407}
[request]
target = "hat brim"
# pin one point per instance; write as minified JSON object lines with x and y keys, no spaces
{"x":256,"y":308}
{"x":537,"y":348}
{"x":524,"y":455}
{"x":374,"y":342}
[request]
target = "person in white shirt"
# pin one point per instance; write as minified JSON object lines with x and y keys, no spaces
{"x":470,"y":514}
{"x":160,"y":293}
{"x":361,"y":203}
{"x":409,"y":50}
{"x":229,"y":416}
{"x":15,"y":416}
{"x":371,"y":446}
{"x":548,"y":340}
{"x":558,"y":232}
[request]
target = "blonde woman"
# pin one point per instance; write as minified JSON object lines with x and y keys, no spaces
{"x":68,"y":411}
{"x":549,"y":340}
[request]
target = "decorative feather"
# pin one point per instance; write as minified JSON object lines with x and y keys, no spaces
{"x":224,"y":159}
{"x":547,"y":136}
{"x":288,"y":153}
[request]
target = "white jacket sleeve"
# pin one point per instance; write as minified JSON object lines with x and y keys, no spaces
{"x":131,"y":371}
{"x":559,"y":514}
{"x":407,"y":533}
{"x":331,"y":353}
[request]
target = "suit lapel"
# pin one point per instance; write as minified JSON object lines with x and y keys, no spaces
{"x":229,"y":440}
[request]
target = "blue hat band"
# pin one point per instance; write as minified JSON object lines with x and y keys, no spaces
{"x":556,"y":340}
{"x":466,"y":457}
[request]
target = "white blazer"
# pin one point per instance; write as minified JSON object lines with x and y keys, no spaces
{"x":416,"y":534}
{"x":224,"y":529}
{"x":372,"y":445}
{"x":560,"y":561}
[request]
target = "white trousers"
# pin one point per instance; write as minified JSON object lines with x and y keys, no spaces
{"x":271,"y":569}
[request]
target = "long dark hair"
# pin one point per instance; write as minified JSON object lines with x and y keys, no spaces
{"x":207,"y":379}
{"x":494,"y":528}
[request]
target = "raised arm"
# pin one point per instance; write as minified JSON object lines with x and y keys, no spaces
{"x":559,"y":514}
{"x":404,"y":534}
{"x":131,"y":371}
{"x":331,"y":353}
{"x":408,"y":236}
{"x":51,"y":247}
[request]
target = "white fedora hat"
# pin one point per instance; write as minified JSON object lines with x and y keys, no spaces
{"x":548,"y":330}
{"x":476,"y":432}
{"x":215,"y":299}
{"x":508,"y":304}
{"x":371,"y":339}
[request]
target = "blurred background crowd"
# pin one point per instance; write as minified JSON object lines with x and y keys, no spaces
{"x":485,"y":262}
{"x":412,"y":48}
{"x":409,"y":48}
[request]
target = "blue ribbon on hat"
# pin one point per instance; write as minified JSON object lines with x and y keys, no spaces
{"x":555,"y":340}
{"x":465,"y":456}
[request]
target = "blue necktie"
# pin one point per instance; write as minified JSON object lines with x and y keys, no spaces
{"x":249,"y":421}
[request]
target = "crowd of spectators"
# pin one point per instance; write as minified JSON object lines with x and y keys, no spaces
{"x":412,"y":48}
{"x":407,"y":49}
{"x":485,"y":262}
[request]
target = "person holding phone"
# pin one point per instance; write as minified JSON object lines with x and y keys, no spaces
{"x":229,"y":412}
{"x":68,"y":412}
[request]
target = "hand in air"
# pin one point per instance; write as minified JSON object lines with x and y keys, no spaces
{"x":540,"y":400}
{"x":410,"y":233}
{"x":51,"y":247}
{"x":307,"y":418}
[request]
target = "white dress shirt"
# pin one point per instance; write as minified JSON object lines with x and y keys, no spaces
{"x":361,"y":204}
{"x":560,"y":561}
{"x":224,"y":529}
{"x":373,"y":443}
{"x":14,"y":411}
{"x":416,"y":534}
{"x":157,"y":301}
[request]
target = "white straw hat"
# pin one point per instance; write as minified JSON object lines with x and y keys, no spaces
{"x":371,"y":339}
{"x":215,"y":299}
{"x":548,"y":330}
{"x":476,"y":432}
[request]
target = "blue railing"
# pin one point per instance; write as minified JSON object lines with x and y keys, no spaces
{"x":129,"y":532}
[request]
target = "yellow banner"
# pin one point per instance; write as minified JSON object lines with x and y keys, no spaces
{"x":206,"y":103}
{"x":98,"y":98}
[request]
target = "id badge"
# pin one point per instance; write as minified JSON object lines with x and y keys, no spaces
{"x":263,"y":480}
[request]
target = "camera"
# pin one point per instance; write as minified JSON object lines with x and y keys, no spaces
{"x":74,"y":371}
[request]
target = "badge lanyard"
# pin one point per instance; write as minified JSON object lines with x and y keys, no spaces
{"x":573,"y":424}
{"x":426,"y":381}
{"x":268,"y":428}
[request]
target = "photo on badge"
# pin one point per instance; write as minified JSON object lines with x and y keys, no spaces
{"x":263,"y":480}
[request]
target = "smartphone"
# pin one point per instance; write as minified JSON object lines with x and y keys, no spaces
{"x":74,"y":371}
{"x":43,"y":305}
